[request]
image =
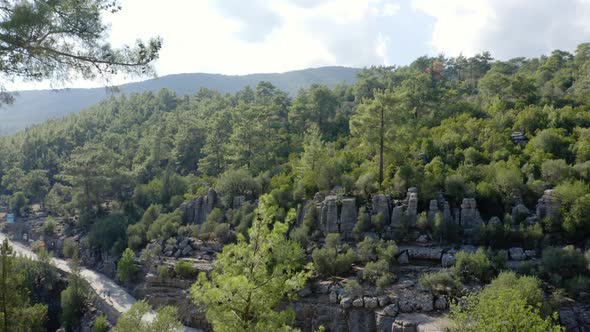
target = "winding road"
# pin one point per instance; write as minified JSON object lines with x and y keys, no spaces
{"x":114,"y":296}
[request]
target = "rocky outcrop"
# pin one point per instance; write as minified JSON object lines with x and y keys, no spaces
{"x":575,"y":318}
{"x":470,"y":218}
{"x":348,"y":215}
{"x":381,"y":204}
{"x":196,"y":211}
{"x":337,"y":220}
{"x":412,"y":211}
{"x":547,"y":205}
{"x":329,"y":215}
{"x":516,"y":254}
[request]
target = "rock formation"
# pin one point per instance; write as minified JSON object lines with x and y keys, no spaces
{"x":547,"y":205}
{"x":335,"y":220}
{"x":196,"y":211}
{"x":470,"y":218}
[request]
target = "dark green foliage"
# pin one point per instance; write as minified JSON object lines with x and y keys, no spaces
{"x":441,"y":282}
{"x":100,"y":324}
{"x":126,"y":268}
{"x":333,"y":259}
{"x":185,"y":269}
{"x":566,"y":262}
{"x":474,"y":266}
{"x":109,"y":234}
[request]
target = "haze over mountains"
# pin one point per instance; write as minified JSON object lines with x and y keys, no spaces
{"x":36,"y":106}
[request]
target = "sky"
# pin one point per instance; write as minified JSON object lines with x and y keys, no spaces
{"x":237,"y":37}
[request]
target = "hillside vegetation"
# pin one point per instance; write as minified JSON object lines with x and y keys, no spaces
{"x":502,"y":132}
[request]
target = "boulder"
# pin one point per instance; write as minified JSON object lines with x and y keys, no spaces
{"x":346,"y":302}
{"x":383,"y":300}
{"x":447,"y":260}
{"x":427,"y":253}
{"x":495,"y":221}
{"x":412,"y":210}
{"x":358,"y":302}
{"x":187,"y":250}
{"x":391,"y":310}
{"x":403,"y":258}
{"x":371,"y":302}
{"x":384,"y":322}
{"x":441,"y":303}
{"x":333,"y":297}
{"x":516,"y":253}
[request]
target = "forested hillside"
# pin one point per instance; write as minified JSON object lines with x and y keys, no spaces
{"x":33,"y":107}
{"x":501,"y":132}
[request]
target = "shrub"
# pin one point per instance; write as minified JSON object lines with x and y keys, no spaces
{"x":378,"y":271}
{"x":499,"y":260}
{"x":126,"y":268}
{"x":363,"y":222}
{"x":70,"y":248}
{"x":223,"y":233}
{"x":566,"y":262}
{"x":101,"y":324}
{"x":367,"y":250}
{"x":578,"y":284}
{"x":527,"y":268}
{"x":508,"y":304}
{"x":185,"y":269}
{"x":163,"y":272}
{"x":473,"y":266}
{"x":49,"y":226}
{"x":110,"y":234}
{"x":441,"y":282}
{"x":300,"y":235}
{"x":353,"y":288}
{"x":165,"y":226}
{"x":329,"y":262}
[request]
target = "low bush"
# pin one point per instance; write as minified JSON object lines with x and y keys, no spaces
{"x":185,"y":269}
{"x":566,"y":262}
{"x":333,"y":260}
{"x":443,"y":282}
{"x":473,"y":266}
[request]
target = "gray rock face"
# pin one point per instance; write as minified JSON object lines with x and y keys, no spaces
{"x":329,"y":215}
{"x":211,"y":199}
{"x":391,"y":310}
{"x":348,"y":215}
{"x":470,"y":218}
{"x":416,"y":301}
{"x":346,"y":302}
{"x":447,"y":260}
{"x":412,"y":211}
{"x":196,"y":212}
{"x":415,"y":323}
{"x":403,"y":258}
{"x":333,"y":221}
{"x":432,"y":209}
{"x":516,"y":254}
{"x":358,"y":302}
{"x":548,"y":205}
{"x":381,"y":204}
{"x":441,"y":303}
{"x":427,"y":253}
{"x":575,"y":318}
{"x":384,"y":322}
{"x":371,"y":302}
{"x":397,"y":213}
{"x":383,"y":300}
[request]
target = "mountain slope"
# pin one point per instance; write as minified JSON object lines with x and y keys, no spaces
{"x":36,"y":106}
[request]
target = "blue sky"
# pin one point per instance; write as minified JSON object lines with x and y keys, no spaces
{"x":252,"y":36}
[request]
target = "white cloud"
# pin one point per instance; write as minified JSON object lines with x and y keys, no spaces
{"x":507,"y":28}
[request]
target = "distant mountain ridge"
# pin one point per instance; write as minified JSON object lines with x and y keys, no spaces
{"x":36,"y":106}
